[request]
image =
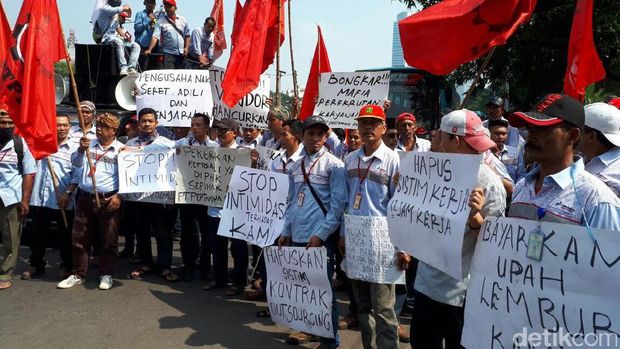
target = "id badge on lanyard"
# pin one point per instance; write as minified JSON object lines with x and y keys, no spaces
{"x":300,"y":199}
{"x":536,"y":240}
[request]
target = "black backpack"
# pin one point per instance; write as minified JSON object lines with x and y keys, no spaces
{"x":18,"y":145}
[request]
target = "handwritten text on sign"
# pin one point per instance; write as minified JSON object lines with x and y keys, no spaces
{"x":254,"y":206}
{"x":572,"y":290}
{"x":342,"y":95}
{"x":428,"y":212}
{"x":369,"y":251}
{"x":298,"y":290}
{"x":251,"y":111}
{"x":203,"y":174}
{"x":147,"y":171}
{"x":176,"y":95}
{"x":157,"y":197}
{"x":266,"y":156}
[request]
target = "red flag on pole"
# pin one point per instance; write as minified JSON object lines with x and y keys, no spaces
{"x":236,"y":20}
{"x":320,"y":64}
{"x":219,"y":37}
{"x":251,"y":51}
{"x":28,"y":74}
{"x":584,"y":66}
{"x":272,"y":34}
{"x":5,"y":34}
{"x":442,"y":37}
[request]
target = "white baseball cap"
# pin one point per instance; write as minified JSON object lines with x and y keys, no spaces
{"x":467,"y":124}
{"x":604,"y":118}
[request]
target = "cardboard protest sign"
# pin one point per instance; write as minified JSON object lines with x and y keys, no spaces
{"x":298,"y":290}
{"x":156,"y":197}
{"x":176,"y":94}
{"x":254,"y":206}
{"x":251,"y":111}
{"x":342,"y":95}
{"x":147,"y":171}
{"x":568,"y":299}
{"x":369,"y":251}
{"x":266,"y":156}
{"x":429,"y":210}
{"x":203,"y":174}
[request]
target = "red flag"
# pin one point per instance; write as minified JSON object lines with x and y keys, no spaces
{"x":28,"y":74}
{"x":320,"y":64}
{"x":5,"y":34}
{"x":272,"y":34}
{"x":219,"y":37}
{"x":236,"y":20}
{"x":251,"y":51}
{"x":442,"y":37}
{"x":584,"y":66}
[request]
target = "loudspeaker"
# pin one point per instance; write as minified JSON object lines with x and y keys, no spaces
{"x":96,"y":73}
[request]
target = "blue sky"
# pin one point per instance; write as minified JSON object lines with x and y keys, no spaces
{"x":357,"y":33}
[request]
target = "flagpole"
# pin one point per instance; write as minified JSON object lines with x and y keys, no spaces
{"x":277,"y":99}
{"x":318,"y":76}
{"x":290,"y":42}
{"x":478,"y":75}
{"x":55,"y":183}
{"x":79,"y":111}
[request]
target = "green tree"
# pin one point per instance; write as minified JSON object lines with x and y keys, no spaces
{"x":533,"y":61}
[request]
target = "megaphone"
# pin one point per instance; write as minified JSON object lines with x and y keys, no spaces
{"x":61,"y":88}
{"x":124,"y":93}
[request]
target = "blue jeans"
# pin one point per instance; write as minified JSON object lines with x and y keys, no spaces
{"x":330,"y":245}
{"x":121,"y":46}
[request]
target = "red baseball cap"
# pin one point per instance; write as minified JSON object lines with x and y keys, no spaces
{"x":551,"y":110}
{"x":467,"y":124}
{"x":371,"y":111}
{"x":405,"y":116}
{"x":170,"y":2}
{"x":124,"y":14}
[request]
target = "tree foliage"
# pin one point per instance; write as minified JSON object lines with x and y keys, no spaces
{"x":533,"y":61}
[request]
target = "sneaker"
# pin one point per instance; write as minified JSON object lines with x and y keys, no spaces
{"x":132,"y":71}
{"x":105,"y":282}
{"x":71,"y":281}
{"x":123,"y":72}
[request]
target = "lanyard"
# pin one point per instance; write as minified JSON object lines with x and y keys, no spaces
{"x":359,"y":174}
{"x":97,"y":158}
{"x":4,"y":154}
{"x":303,"y":168}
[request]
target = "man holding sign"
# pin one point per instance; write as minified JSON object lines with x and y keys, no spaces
{"x":370,"y":183}
{"x":316,"y":202}
{"x":438,"y":305}
{"x":159,"y":217}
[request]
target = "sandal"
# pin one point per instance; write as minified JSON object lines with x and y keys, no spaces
{"x":32,"y":273}
{"x":5,"y":284}
{"x":257,"y":295}
{"x":169,"y":276}
{"x":139,"y":273}
{"x":234,"y":290}
{"x":213,"y":286}
{"x":263,"y":313}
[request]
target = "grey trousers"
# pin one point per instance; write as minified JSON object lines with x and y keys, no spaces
{"x":11,"y":230}
{"x":375,"y":313}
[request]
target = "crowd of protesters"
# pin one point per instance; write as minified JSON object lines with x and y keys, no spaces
{"x":560,"y":151}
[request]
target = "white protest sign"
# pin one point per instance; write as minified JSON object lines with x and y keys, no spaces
{"x":157,"y":197}
{"x":342,"y":95}
{"x":514,"y":301}
{"x":254,"y":206}
{"x":203,"y":174}
{"x":251,"y":111}
{"x":369,"y":251}
{"x":298,"y":290}
{"x":429,"y":210}
{"x":266,"y":156}
{"x":147,"y":171}
{"x":176,"y":94}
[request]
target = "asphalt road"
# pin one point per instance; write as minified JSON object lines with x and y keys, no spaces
{"x":136,"y":314}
